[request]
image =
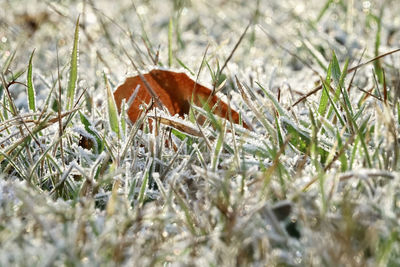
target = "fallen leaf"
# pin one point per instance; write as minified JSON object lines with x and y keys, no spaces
{"x":174,"y":91}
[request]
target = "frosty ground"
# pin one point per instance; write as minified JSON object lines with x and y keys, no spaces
{"x":314,"y":182}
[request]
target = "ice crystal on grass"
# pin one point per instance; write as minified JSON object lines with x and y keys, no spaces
{"x":304,"y":185}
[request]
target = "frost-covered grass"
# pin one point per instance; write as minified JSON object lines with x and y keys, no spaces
{"x":315,"y":182}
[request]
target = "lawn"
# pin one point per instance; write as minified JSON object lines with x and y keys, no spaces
{"x":302,"y":171}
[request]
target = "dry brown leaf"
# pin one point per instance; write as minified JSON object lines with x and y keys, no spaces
{"x":174,"y":90}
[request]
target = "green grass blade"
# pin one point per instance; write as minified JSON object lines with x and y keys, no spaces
{"x":40,"y":160}
{"x":184,"y":66}
{"x":8,"y":62}
{"x":398,"y":113}
{"x":143,"y":188}
{"x":277,"y":105}
{"x":4,"y":155}
{"x":218,"y":149}
{"x":323,"y":103}
{"x":359,"y":132}
{"x":5,"y":110}
{"x":324,"y":99}
{"x":16,"y":75}
{"x":299,"y":139}
{"x":344,"y":73}
{"x":377,"y":63}
{"x":123,"y":117}
{"x":30,"y":87}
{"x":323,"y":10}
{"x":315,"y":54}
{"x":336,"y":73}
{"x":73,"y":72}
{"x":145,"y":182}
{"x":112,"y":109}
{"x":278,"y":131}
{"x":90,"y":129}
{"x":325,"y":88}
{"x":347,"y":103}
{"x":344,"y":91}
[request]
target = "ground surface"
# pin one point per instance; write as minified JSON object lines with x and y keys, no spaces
{"x":314,"y":183}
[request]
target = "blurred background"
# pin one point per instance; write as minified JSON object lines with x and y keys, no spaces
{"x":111,"y":29}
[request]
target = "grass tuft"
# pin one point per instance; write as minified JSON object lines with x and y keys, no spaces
{"x":313,"y":180}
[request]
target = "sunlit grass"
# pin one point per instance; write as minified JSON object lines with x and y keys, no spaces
{"x":313,"y":180}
